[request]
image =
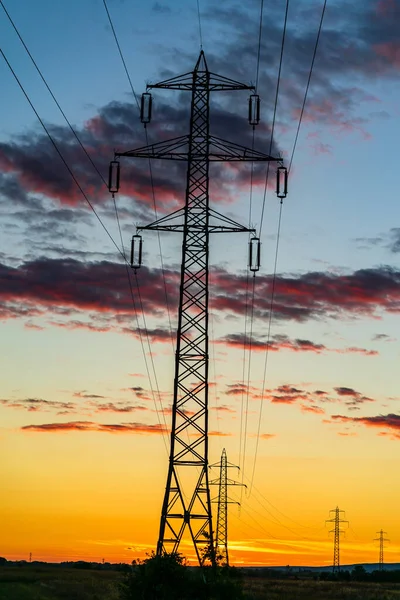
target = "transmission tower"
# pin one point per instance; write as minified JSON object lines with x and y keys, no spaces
{"x":336,"y":520}
{"x":221,"y":537}
{"x":187,"y":504}
{"x":381,"y":539}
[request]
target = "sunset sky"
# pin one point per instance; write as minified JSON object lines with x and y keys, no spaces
{"x":84,"y":443}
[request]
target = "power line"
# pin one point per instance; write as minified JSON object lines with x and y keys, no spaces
{"x":274,"y":114}
{"x":259,"y":525}
{"x":140,"y":333}
{"x":275,"y":519}
{"x":213,"y":360}
{"x":154,"y":202}
{"x":150,"y":171}
{"x":121,"y":252}
{"x":248,"y":378}
{"x":308,"y":83}
{"x":259,"y":43}
{"x":264,"y":196}
{"x":59,"y":153}
{"x":268,"y":344}
{"x":52,"y":95}
{"x":280,"y":212}
{"x":199,"y":20}
{"x":246,"y":342}
{"x":120,"y":53}
{"x":265,"y":499}
{"x":94,"y":166}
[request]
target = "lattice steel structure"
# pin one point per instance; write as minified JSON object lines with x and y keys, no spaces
{"x":336,"y":537}
{"x":221,"y":537}
{"x":381,"y":539}
{"x":187,"y":495}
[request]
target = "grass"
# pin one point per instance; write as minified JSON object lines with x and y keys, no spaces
{"x":55,"y":583}
{"x":290,"y":589}
{"x":43,"y":583}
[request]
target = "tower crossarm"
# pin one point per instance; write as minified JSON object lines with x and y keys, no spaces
{"x":186,"y":508}
{"x":218,"y":150}
{"x":173,"y":149}
{"x":217,"y":223}
{"x":224,"y":150}
{"x":215,"y":82}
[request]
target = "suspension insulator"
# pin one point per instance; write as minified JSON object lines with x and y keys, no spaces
{"x":145,"y":108}
{"x":136,"y":251}
{"x":254,"y":254}
{"x":281,"y":182}
{"x":113,"y":176}
{"x":254,"y":109}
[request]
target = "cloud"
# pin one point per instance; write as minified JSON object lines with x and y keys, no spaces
{"x":308,"y":401}
{"x":389,"y":240}
{"x":86,"y":395}
{"x":313,"y":295}
{"x":47,"y":284}
{"x":34,"y":174}
{"x":267,"y":436}
{"x":69,"y":287}
{"x":139,"y":392}
{"x":382,"y":337}
{"x":223,"y":408}
{"x":283,"y":342}
{"x":389,"y":422}
{"x":37,"y":404}
{"x":156,"y":334}
{"x":345,"y":391}
{"x":239,"y":389}
{"x":118,"y":408}
{"x":140,"y":428}
{"x":277,"y":343}
{"x":394,"y":244}
{"x":352,"y":398}
{"x":344,"y":66}
{"x":312,"y":408}
{"x":158,"y":7}
{"x":287,"y":394}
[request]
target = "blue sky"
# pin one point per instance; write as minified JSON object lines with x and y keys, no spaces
{"x":70,"y":345}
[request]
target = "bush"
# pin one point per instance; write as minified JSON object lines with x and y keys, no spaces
{"x":167,"y":577}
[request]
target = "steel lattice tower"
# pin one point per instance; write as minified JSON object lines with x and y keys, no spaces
{"x":221,"y":537}
{"x":381,"y":539}
{"x":187,"y":503}
{"x":336,"y":541}
{"x":221,"y":541}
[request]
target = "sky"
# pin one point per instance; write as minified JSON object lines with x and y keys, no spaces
{"x":86,"y":381}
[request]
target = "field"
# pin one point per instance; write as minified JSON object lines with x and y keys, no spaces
{"x":44,"y":583}
{"x":288,"y":589}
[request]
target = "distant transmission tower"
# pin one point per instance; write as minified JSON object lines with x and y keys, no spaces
{"x":381,"y":539}
{"x":187,"y":504}
{"x":336,"y":531}
{"x":221,"y":537}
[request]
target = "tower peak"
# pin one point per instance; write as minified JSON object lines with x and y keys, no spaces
{"x":201,"y":64}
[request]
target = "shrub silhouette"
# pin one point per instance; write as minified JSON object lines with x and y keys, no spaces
{"x":167,"y":577}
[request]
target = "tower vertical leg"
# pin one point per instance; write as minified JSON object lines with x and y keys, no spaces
{"x":221,"y":544}
{"x":187,"y":502}
{"x":186,"y":506}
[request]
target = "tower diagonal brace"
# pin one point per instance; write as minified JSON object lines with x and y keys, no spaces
{"x":187,"y":505}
